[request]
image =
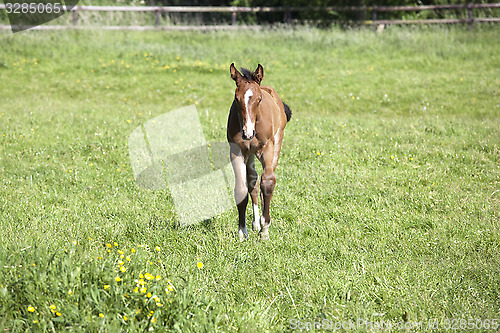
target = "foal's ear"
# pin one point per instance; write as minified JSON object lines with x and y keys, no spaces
{"x":235,"y":75}
{"x":258,"y":75}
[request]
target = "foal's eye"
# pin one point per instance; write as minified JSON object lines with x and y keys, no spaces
{"x":260,"y":100}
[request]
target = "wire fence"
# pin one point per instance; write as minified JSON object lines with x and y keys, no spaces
{"x":231,"y":17}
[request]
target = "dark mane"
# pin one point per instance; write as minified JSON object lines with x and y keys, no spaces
{"x":247,"y":74}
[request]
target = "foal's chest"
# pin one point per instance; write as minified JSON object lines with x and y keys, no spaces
{"x":254,"y":146}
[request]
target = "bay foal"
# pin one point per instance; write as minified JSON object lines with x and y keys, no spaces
{"x":255,"y":128}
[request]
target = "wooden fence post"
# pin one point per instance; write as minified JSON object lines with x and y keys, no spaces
{"x":287,"y":16}
{"x":233,"y":17}
{"x":75,"y":15}
{"x":374,"y":17}
{"x":469,"y":15}
{"x":157,"y":18}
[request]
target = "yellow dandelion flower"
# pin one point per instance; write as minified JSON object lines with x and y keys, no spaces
{"x":149,"y":276}
{"x":128,"y":258}
{"x":120,"y":252}
{"x":118,"y":279}
{"x":132,"y":250}
{"x":143,"y":290}
{"x":148,"y":295}
{"x":153,"y":320}
{"x":101,"y":315}
{"x":136,"y":290}
{"x":158,"y":248}
{"x":141,"y":276}
{"x":170,"y":287}
{"x":115,"y":244}
{"x":52,"y":307}
{"x":106,"y":286}
{"x":123,"y":269}
{"x":31,"y":309}
{"x":120,"y":262}
{"x":200,"y":265}
{"x":158,"y":277}
{"x":125,"y":318}
{"x":108,"y":245}
{"x":159,"y":304}
{"x":58,"y":314}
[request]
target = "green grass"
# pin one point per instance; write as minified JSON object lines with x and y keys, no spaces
{"x":387,"y":200}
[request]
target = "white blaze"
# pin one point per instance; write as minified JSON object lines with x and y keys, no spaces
{"x":249,"y":125}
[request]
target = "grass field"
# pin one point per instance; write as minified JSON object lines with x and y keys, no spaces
{"x":386,"y":207}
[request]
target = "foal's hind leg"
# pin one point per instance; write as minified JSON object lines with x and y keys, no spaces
{"x":240,"y":189}
{"x":267,"y":183}
{"x":252,"y":178}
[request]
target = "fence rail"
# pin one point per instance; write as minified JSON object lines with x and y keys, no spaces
{"x":159,"y":10}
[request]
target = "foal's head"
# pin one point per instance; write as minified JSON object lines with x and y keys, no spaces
{"x":249,"y":96}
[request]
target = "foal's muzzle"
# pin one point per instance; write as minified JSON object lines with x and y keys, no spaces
{"x":247,"y":136}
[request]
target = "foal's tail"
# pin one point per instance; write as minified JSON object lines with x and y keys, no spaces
{"x":288,"y":112}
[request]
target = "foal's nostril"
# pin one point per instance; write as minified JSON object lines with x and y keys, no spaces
{"x":248,"y":137}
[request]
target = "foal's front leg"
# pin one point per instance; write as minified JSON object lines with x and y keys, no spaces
{"x":252,"y":179}
{"x":240,"y":189}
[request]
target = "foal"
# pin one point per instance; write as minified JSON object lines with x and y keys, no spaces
{"x":255,"y":128}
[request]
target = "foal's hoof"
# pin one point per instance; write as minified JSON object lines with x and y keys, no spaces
{"x":264,"y":236}
{"x":242,"y":234}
